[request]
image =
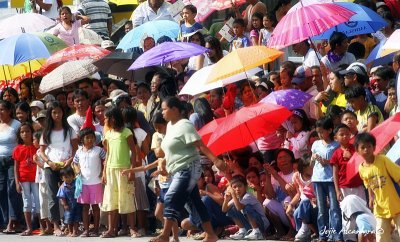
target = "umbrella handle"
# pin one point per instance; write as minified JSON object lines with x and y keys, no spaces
{"x":258,"y":149}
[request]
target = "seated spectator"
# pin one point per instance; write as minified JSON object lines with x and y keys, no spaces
{"x":297,"y":139}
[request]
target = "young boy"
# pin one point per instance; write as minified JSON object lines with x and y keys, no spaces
{"x":245,"y":210}
{"x":72,"y":209}
{"x":190,"y":25}
{"x":368,"y":115}
{"x":349,"y":118}
{"x":378,"y":174}
{"x":240,"y":40}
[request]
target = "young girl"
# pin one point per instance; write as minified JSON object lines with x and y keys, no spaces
{"x":121,"y":154}
{"x":322,"y":151}
{"x":269,"y":22}
{"x":25,"y":171}
{"x":23,"y":112}
{"x":254,"y":184}
{"x":297,"y":142}
{"x":256,"y":23}
{"x":88,"y":161}
{"x":67,"y":29}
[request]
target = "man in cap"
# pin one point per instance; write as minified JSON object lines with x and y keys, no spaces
{"x":36,"y":107}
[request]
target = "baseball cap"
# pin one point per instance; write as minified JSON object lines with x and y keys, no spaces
{"x":41,"y":114}
{"x":301,"y":73}
{"x":107,"y":44}
{"x":114,"y":95}
{"x":37,"y":104}
{"x":356,"y":68}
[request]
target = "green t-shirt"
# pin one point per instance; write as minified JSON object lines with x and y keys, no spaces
{"x":362,"y":117}
{"x":118,"y":150}
{"x":178,"y":145}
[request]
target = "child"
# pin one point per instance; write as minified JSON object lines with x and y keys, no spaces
{"x":305,"y":215}
{"x":88,"y":161}
{"x":368,"y":115}
{"x":269,"y":23}
{"x":254,"y":184}
{"x":245,"y":211}
{"x":67,"y":29}
{"x":66,"y":194}
{"x":349,"y":118}
{"x":391,"y":106}
{"x":322,"y":151}
{"x":379,"y":174}
{"x":256,"y":24}
{"x":256,"y":160}
{"x":297,"y":141}
{"x":190,"y":25}
{"x":25,"y":171}
{"x":240,"y":40}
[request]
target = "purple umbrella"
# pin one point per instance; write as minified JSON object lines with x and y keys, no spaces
{"x":167,"y":52}
{"x":291,"y":98}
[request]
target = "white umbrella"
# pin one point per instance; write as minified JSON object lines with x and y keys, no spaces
{"x":24,"y":23}
{"x":66,"y":74}
{"x":89,"y":37}
{"x":197,"y":83}
{"x":392,"y":44}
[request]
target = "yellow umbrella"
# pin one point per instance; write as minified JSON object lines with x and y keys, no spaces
{"x":124,"y":2}
{"x":13,"y":74}
{"x":241,"y":60}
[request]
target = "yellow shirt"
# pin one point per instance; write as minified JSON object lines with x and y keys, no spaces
{"x":378,"y":177}
{"x":340,"y":101}
{"x":362,"y":117}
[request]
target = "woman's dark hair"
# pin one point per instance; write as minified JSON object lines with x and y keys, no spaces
{"x":216,"y":45}
{"x":84,"y":132}
{"x":167,"y":86}
{"x":272,"y":18}
{"x":245,"y":84}
{"x":336,"y":38}
{"x":115,"y":114}
{"x":159,"y":119}
{"x":259,"y":16}
{"x":287,"y":151}
{"x":119,"y":84}
{"x":49,"y":123}
{"x":37,"y":134}
{"x":67,"y":171}
{"x":364,"y":138}
{"x":19,"y":138}
{"x":188,"y":109}
{"x":203,"y":109}
{"x":325,"y":123}
{"x":64,"y":8}
{"x":163,"y":39}
{"x":289,"y":67}
{"x":28,"y":84}
{"x":336,"y":72}
{"x":201,"y":37}
{"x":304,"y":118}
{"x":174,"y":102}
{"x":11,"y":91}
{"x":209,"y":169}
{"x":252,"y":169}
{"x":258,"y":156}
{"x":24,"y":106}
{"x":121,"y":99}
{"x":357,"y":49}
{"x":7,"y":105}
{"x":130,"y":118}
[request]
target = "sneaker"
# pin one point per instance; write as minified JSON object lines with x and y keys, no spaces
{"x":254,"y":235}
{"x":303,"y":233}
{"x":238,"y":235}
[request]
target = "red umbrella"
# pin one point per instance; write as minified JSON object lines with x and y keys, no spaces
{"x":383,"y":133}
{"x":71,"y":53}
{"x":246,"y":125}
{"x":209,"y":128}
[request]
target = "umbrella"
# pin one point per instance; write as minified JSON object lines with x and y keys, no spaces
{"x":66,"y":74}
{"x":167,"y":52}
{"x":89,"y":37}
{"x":197,"y":83}
{"x":376,"y":57}
{"x":117,"y":63}
{"x":24,"y":23}
{"x":224,"y":4}
{"x":392,"y":43}
{"x":209,"y":128}
{"x":307,"y":22}
{"x":241,"y":60}
{"x":291,"y":98}
{"x":9,"y":72}
{"x":74,"y":52}
{"x":203,"y":8}
{"x":155,"y":29}
{"x":246,"y":125}
{"x":26,"y":47}
{"x":363,"y":22}
{"x":383,"y":133}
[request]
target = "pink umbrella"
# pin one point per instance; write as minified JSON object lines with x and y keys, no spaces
{"x":307,"y":22}
{"x":203,"y":8}
{"x":224,"y":4}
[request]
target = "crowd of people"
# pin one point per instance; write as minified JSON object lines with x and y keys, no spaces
{"x":101,"y":156}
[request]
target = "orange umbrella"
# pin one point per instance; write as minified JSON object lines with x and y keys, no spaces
{"x":241,"y":60}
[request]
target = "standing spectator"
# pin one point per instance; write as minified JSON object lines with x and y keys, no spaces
{"x":256,"y":25}
{"x":99,"y":13}
{"x":310,"y":56}
{"x":338,"y":54}
{"x":190,"y":25}
{"x":255,"y":6}
{"x":240,"y":40}
{"x":151,"y":10}
{"x":50,"y":8}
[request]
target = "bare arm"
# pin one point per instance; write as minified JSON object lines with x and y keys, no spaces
{"x":43,"y":5}
{"x":84,"y":19}
{"x":109,"y":26}
{"x":220,"y":164}
{"x":339,"y":194}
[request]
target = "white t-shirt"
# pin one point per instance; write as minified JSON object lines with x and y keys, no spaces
{"x":311,"y":58}
{"x":90,"y":164}
{"x":140,"y":135}
{"x":348,"y":58}
{"x":76,"y":122}
{"x":52,"y":12}
{"x":59,"y":148}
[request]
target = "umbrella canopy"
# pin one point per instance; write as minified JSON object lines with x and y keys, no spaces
{"x":12,"y":75}
{"x":66,"y":74}
{"x":89,"y":37}
{"x":197,"y":83}
{"x":376,"y":57}
{"x":363,"y":22}
{"x":306,"y":22}
{"x":117,"y":63}
{"x":246,"y":125}
{"x":241,"y":60}
{"x":209,"y":128}
{"x":124,"y":2}
{"x":155,"y":29}
{"x":203,"y":8}
{"x":392,"y":43}
{"x":26,"y":47}
{"x":74,"y":52}
{"x":291,"y":98}
{"x":24,"y":23}
{"x":224,"y":4}
{"x":167,"y":52}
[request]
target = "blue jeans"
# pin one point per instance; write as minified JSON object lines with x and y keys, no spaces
{"x":218,"y":218}
{"x":242,"y":216}
{"x":184,"y":191}
{"x":305,"y":213}
{"x":30,"y":195}
{"x":329,"y":224}
{"x":10,"y":199}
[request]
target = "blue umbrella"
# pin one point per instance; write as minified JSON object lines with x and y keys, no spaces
{"x":376,"y":58}
{"x":363,"y":22}
{"x":154,"y":29}
{"x":167,"y":52}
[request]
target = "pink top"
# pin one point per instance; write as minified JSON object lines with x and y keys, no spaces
{"x":305,"y":187}
{"x":70,"y":36}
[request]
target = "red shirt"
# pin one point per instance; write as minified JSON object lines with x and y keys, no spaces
{"x":23,"y":156}
{"x":341,"y":162}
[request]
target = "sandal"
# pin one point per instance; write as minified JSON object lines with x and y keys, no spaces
{"x":9,"y":231}
{"x":198,"y":236}
{"x":59,"y":234}
{"x":107,"y":235}
{"x":94,"y":234}
{"x":85,"y":234}
{"x":158,"y":239}
{"x":135,"y":234}
{"x":26,"y":233}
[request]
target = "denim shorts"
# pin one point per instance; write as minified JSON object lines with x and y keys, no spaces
{"x":73,"y":215}
{"x":160,"y":198}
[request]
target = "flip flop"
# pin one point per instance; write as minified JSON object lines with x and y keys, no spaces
{"x":107,"y":235}
{"x":26,"y":233}
{"x":9,"y":231}
{"x":59,"y":234}
{"x":158,"y":239}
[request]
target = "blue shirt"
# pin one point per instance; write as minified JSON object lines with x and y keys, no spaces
{"x":67,"y":191}
{"x":190,"y":29}
{"x":323,"y":173}
{"x":8,"y":139}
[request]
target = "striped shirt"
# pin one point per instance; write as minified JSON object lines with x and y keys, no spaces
{"x":99,"y":13}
